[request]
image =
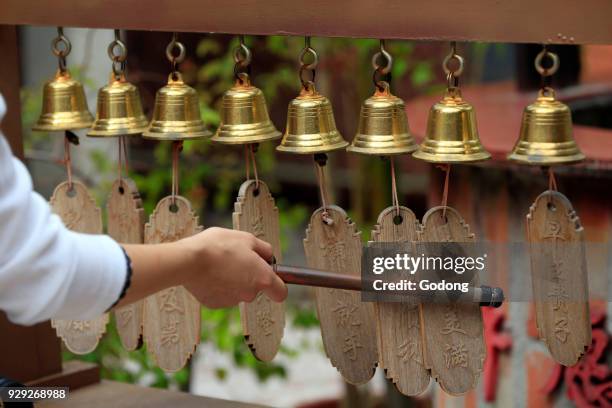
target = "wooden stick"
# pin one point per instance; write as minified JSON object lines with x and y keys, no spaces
{"x":297,"y":275}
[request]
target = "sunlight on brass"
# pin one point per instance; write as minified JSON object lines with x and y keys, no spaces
{"x":546,"y":133}
{"x":452,"y":136}
{"x":311,"y":127}
{"x":119,"y":110}
{"x":64,"y":105}
{"x":244,"y":116}
{"x":383,"y":126}
{"x":176,"y":115}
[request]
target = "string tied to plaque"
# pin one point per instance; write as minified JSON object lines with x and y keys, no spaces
{"x":177,"y":147}
{"x":249,"y":158}
{"x":446,"y":168}
{"x":320,"y":161}
{"x":69,"y":138}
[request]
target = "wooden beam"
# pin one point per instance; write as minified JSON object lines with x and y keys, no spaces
{"x":10,"y":86}
{"x":511,"y":21}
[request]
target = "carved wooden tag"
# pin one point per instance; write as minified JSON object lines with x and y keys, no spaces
{"x":559,"y":277}
{"x":171,"y":326}
{"x":263,"y":321}
{"x":347,"y":324}
{"x":79,"y":212}
{"x":126,"y":220}
{"x":453,"y":337}
{"x":398,"y":324}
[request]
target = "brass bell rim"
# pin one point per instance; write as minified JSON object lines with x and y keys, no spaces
{"x":176,"y":135}
{"x":391,"y":151}
{"x":534,"y":160}
{"x":312,"y":149}
{"x":125,"y":128}
{"x":246,"y":136}
{"x":50,"y":122}
{"x":546,"y":153}
{"x":452,"y":158}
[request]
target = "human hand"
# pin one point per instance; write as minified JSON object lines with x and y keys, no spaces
{"x":225,"y":267}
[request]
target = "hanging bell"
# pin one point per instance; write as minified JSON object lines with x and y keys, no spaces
{"x":383,"y":126}
{"x":64,"y":105}
{"x":176,"y":115}
{"x":119,"y":110}
{"x":546,"y":133}
{"x":451,"y":136}
{"x":244,"y":116}
{"x":311,"y":127}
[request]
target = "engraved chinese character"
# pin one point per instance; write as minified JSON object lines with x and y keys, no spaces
{"x":169,"y":301}
{"x":169,"y":332}
{"x":265,"y":321}
{"x":335,"y":255}
{"x":345,"y":312}
{"x":561,"y":330}
{"x":455,"y":355}
{"x":444,"y":233}
{"x":409,"y":350}
{"x":451,"y":321}
{"x":557,"y":270}
{"x":257,"y":225}
{"x":351,"y":344}
{"x":559,"y":296}
{"x":553,"y":230}
{"x":71,"y":219}
{"x":125,"y":316}
{"x":79,"y":325}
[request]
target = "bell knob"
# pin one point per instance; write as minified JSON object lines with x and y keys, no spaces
{"x":311,"y":127}
{"x":119,"y":110}
{"x":546,"y":136}
{"x":176,"y":115}
{"x":64,"y":105}
{"x":244,"y":116}
{"x":452,"y":135}
{"x":383,"y":126}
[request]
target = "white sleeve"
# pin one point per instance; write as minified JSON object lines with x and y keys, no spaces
{"x":46,"y":270}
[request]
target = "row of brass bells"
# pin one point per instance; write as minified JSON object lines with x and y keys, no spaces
{"x":311,"y":127}
{"x":452,"y":135}
{"x":176,"y":115}
{"x":64,"y":105}
{"x":244,"y":116}
{"x":546,"y":133}
{"x":119,"y":110}
{"x":383,"y":126}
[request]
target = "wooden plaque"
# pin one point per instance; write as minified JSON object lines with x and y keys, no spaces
{"x":453,"y":334}
{"x":400,"y":345}
{"x":559,"y":277}
{"x":171,"y":326}
{"x":263,"y":321}
{"x":79,"y":212}
{"x":126,"y":220}
{"x":347,"y":324}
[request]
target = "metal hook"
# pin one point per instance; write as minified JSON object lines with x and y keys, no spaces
{"x":172,"y":45}
{"x":308,"y":66}
{"x":546,"y":72}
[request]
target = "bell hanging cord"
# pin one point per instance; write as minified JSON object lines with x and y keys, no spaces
{"x":69,"y":138}
{"x":123,"y":164}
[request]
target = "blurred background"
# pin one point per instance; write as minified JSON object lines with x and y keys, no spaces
{"x":494,"y":197}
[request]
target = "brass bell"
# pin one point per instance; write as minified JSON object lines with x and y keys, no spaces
{"x":451,"y":136}
{"x":311,"y":127}
{"x":546,"y":133}
{"x":383,"y":126}
{"x":176,"y":115}
{"x":64,"y":105}
{"x":244,"y":116}
{"x":119,"y":110}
